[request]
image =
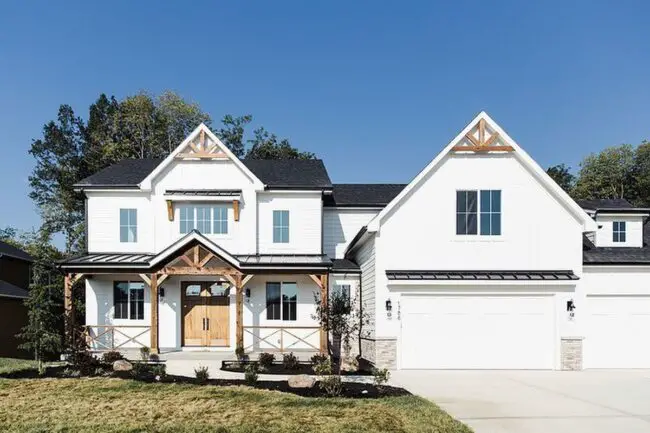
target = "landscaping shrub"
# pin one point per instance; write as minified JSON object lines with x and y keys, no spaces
{"x":323,"y":368}
{"x":318,"y":358}
{"x":380,"y":376}
{"x":332,"y":385}
{"x":159,"y":371}
{"x":111,"y":357}
{"x":71,"y":373}
{"x":266,"y":359}
{"x":202,"y":374}
{"x":154,"y":357}
{"x":140,"y":370}
{"x":83,"y":361}
{"x":289,"y":361}
{"x":250,"y":374}
{"x":144,"y":353}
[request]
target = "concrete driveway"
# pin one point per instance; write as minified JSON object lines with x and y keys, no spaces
{"x":602,"y":401}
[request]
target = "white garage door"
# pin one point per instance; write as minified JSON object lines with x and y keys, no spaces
{"x":478,"y":332}
{"x":617,"y":334}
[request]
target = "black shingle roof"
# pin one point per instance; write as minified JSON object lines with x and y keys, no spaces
{"x":345,"y":266}
{"x":290,"y":173}
{"x":608,"y":203}
{"x":11,"y":251}
{"x":10,"y":291}
{"x":592,"y":255}
{"x":363,"y":194}
{"x":279,"y":173}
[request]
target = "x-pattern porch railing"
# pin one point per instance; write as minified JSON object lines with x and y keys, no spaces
{"x":280,"y":331}
{"x":105,"y":340}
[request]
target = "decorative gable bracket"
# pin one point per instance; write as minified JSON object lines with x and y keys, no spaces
{"x":202,"y":147}
{"x":481,"y":139}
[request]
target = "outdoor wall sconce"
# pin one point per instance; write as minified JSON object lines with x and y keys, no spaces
{"x":570,"y":307}
{"x":161,"y":292}
{"x":389,"y":308}
{"x":248,"y":294}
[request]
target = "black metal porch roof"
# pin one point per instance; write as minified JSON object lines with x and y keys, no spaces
{"x":481,"y":275}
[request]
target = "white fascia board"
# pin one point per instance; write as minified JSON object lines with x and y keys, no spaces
{"x":146,"y":183}
{"x":589,"y":225}
{"x":202,"y":198}
{"x":292,"y":191}
{"x":622,"y":214}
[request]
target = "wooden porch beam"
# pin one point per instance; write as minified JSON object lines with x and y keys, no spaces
{"x":246,"y":279}
{"x":146,"y":279}
{"x":199,"y":271}
{"x":230,"y":279}
{"x":170,"y":210}
{"x":68,"y":307}
{"x":162,"y":278}
{"x":239,"y":287}
{"x":317,"y":280}
{"x":154,"y":313}
{"x":324,"y":299}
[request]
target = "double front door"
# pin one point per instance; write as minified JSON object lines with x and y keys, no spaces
{"x":206,"y":313}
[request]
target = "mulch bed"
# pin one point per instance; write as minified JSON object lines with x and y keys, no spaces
{"x":279,"y":368}
{"x":350,"y":389}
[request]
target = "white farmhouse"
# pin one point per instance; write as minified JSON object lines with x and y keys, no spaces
{"x":480,"y":262}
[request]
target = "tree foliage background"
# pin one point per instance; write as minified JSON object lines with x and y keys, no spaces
{"x":138,"y":126}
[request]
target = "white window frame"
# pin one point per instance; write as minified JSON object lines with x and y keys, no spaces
{"x":478,"y":234}
{"x":282,"y":226}
{"x":282,"y":285}
{"x":130,"y":226}
{"x":195,"y":214}
{"x":616,"y":234}
{"x":129,"y":300}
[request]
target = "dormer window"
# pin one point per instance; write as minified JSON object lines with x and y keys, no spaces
{"x":618,"y":231}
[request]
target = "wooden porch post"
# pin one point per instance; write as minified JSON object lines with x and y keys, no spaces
{"x":239,"y":287}
{"x":68,"y":305}
{"x":154,"y":313}
{"x":324,"y":299}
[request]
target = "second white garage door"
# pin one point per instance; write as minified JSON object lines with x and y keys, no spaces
{"x":617,"y":332}
{"x":477,"y":332}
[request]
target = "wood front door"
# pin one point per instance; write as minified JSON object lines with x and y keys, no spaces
{"x":206,"y":314}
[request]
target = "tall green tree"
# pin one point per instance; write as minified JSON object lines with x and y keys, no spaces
{"x":232,"y":133}
{"x":265,"y":145}
{"x":641,"y":175}
{"x":60,"y":163}
{"x":179,"y":118}
{"x":607,"y":174}
{"x":561,"y":174}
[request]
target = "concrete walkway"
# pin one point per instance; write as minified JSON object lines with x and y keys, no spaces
{"x":601,"y":401}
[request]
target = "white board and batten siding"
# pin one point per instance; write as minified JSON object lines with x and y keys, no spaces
{"x":340,"y":225}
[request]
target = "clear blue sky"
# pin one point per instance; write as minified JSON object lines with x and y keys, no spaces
{"x":373,"y":88}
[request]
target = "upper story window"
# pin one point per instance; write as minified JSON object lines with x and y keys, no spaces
{"x":281,"y":301}
{"x":204,"y":218}
{"x":128,"y":300}
{"x":280,"y":226}
{"x":468,"y":209}
{"x":128,"y":225}
{"x":618,"y":231}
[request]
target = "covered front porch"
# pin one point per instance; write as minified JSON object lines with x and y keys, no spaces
{"x":196,"y":297}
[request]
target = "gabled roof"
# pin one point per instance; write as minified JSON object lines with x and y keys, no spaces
{"x":362,"y":194}
{"x":482,"y":120}
{"x":11,"y":251}
{"x":606,"y":203}
{"x":620,"y":256}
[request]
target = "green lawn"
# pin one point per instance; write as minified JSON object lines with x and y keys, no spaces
{"x":7,"y":365}
{"x":115,"y":405}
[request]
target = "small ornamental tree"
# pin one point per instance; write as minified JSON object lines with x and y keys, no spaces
{"x":342,"y":317}
{"x":42,"y":334}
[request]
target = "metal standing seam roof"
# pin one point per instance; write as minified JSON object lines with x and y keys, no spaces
{"x":284,"y":259}
{"x":481,"y":275}
{"x":204,"y":192}
{"x":8,"y":290}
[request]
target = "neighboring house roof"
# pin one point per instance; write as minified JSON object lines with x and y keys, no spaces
{"x":483,"y":118}
{"x":8,"y":290}
{"x":362,"y":194}
{"x":275,"y":173}
{"x":593,"y":255}
{"x":480,"y":275}
{"x":11,"y":251}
